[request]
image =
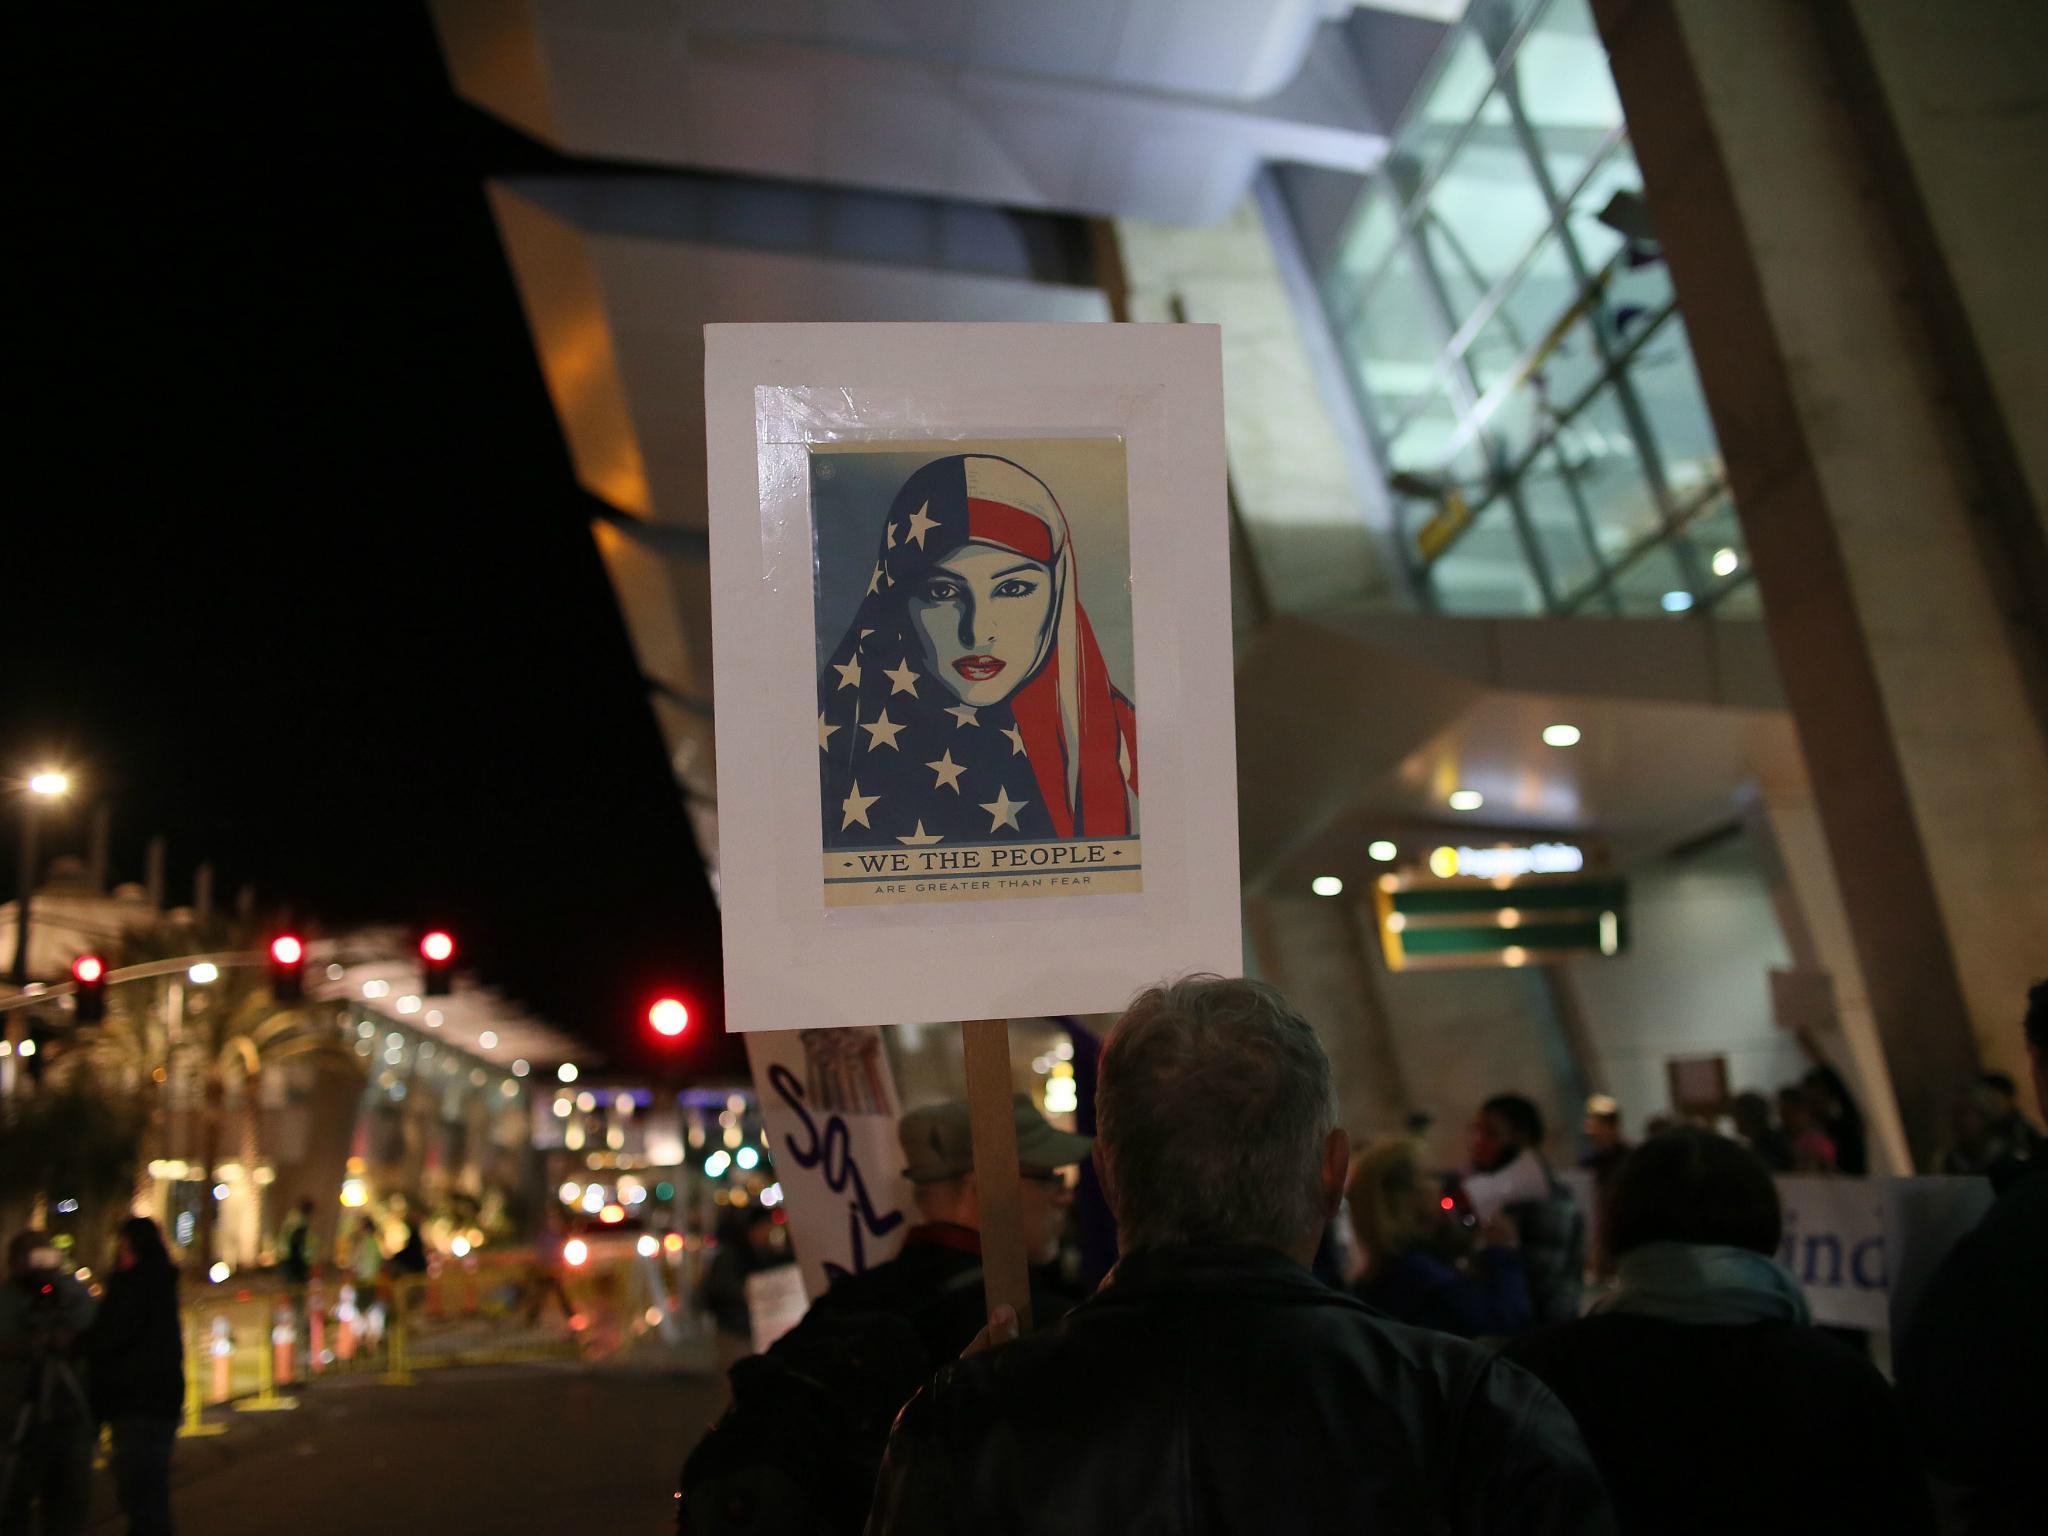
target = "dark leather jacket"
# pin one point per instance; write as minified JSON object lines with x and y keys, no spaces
{"x":1227,"y":1390}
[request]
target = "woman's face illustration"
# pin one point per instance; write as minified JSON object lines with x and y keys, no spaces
{"x":980,"y":614}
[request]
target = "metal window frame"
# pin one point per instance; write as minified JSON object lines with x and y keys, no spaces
{"x":1501,"y":62}
{"x":1454,"y":375}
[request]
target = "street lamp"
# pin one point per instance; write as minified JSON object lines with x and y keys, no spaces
{"x":44,"y":785}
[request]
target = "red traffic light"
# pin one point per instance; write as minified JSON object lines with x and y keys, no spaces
{"x":89,"y":1001}
{"x":437,"y":960}
{"x":287,"y":968}
{"x":669,"y":1017}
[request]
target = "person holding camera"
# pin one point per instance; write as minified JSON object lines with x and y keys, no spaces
{"x":46,"y":1421}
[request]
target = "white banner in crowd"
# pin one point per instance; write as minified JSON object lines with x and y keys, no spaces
{"x":1862,"y":1249}
{"x":829,"y":1101}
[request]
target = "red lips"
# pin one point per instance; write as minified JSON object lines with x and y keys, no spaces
{"x":977,"y":669}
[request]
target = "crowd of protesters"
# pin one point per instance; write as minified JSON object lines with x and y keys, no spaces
{"x":1475,"y":1367}
{"x":1478,"y":1369}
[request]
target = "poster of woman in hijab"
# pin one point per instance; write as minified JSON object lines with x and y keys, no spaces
{"x":977,"y":716}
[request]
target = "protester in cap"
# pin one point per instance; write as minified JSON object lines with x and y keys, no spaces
{"x":1709,"y":1401}
{"x":1212,"y":1383}
{"x":1973,"y":1356}
{"x":798,"y":1451}
{"x":1605,"y":1146}
{"x":1427,"y":1260}
{"x":1511,"y":1176}
{"x":935,"y":1280}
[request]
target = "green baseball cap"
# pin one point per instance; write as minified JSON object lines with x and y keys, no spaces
{"x":938,"y":1141}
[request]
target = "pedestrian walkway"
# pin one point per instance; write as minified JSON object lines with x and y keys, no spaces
{"x":541,"y":1447}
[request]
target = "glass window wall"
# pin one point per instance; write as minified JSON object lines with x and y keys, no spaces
{"x":1513,"y":336}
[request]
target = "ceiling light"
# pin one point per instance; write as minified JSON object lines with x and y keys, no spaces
{"x":1676,"y":602}
{"x":1383,"y":851}
{"x":1327,"y":885}
{"x":1466,"y":800}
{"x":1560,"y":735}
{"x":1725,"y":562}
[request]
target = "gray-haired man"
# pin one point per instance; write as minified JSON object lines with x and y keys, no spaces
{"x":1213,"y":1384}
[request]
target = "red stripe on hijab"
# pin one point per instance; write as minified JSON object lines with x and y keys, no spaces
{"x":997,"y":522}
{"x":1100,"y":782}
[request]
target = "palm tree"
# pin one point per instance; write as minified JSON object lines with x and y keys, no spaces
{"x":225,"y":1033}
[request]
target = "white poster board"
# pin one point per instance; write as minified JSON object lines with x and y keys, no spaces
{"x":973,"y":669}
{"x":829,"y":1102}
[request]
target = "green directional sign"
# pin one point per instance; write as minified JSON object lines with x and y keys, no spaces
{"x":1479,"y":923}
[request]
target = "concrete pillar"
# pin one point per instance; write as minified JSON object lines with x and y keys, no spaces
{"x":1910,"y":653}
{"x":1787,"y":828}
{"x":1311,"y":948}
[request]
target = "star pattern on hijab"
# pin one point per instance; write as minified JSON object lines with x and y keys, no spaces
{"x":905,"y":761}
{"x":926,"y":777}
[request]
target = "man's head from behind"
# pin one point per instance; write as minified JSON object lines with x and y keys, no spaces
{"x":1216,"y":1120}
{"x":1691,"y":1186}
{"x":1506,"y":1124}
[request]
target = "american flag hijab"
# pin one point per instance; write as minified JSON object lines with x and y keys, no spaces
{"x":906,"y":760}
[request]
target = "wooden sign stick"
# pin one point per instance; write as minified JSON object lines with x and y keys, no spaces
{"x":1006,"y":1276}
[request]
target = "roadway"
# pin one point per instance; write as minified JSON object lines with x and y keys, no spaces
{"x":546,"y":1447}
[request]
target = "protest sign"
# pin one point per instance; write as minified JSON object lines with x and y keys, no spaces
{"x":971,"y":622}
{"x":829,"y":1102}
{"x":952,"y":569}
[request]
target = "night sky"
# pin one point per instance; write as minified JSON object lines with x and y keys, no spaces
{"x":298,"y":572}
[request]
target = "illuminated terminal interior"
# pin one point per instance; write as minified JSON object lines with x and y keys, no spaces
{"x":1546,"y":780}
